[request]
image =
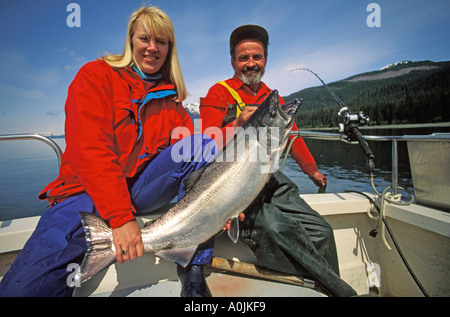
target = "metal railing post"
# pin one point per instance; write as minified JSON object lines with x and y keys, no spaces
{"x":34,"y":136}
{"x":394,"y":167}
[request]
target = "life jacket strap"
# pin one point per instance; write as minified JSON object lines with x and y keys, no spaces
{"x":240,"y":104}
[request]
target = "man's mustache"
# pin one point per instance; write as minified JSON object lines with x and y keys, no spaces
{"x":251,"y":69}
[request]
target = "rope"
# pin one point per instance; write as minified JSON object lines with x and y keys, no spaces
{"x":387,"y":197}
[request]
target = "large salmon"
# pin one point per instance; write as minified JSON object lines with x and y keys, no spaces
{"x":216,"y":193}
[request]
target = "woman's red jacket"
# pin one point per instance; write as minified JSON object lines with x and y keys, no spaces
{"x":115,"y":124}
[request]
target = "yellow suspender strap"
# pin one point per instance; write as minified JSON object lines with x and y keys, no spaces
{"x":240,"y":104}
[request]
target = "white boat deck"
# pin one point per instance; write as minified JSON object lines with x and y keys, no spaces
{"x":364,"y":261}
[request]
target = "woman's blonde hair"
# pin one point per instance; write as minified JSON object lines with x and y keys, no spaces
{"x":157,"y":22}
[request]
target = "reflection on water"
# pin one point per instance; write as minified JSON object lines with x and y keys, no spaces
{"x":344,"y":166}
{"x":28,"y":166}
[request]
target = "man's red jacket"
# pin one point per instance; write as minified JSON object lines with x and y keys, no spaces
{"x":115,"y":124}
{"x":214,"y":107}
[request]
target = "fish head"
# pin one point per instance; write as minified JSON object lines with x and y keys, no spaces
{"x":273,"y":121}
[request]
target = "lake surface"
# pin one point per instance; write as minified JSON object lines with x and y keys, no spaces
{"x":26,"y":167}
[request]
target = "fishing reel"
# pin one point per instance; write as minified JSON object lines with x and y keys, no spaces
{"x":350,"y":118}
{"x":350,"y":127}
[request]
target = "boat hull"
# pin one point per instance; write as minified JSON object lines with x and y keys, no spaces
{"x":423,"y":234}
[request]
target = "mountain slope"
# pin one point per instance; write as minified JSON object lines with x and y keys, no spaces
{"x":405,"y":92}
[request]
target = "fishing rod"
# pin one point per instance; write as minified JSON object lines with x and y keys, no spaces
{"x":350,"y":123}
{"x":350,"y":126}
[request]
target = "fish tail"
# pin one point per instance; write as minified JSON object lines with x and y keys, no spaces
{"x":100,"y":252}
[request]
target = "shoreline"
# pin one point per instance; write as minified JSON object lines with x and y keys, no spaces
{"x":392,"y":126}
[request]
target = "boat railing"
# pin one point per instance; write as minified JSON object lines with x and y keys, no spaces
{"x":394,"y":139}
{"x":35,"y":136}
{"x":47,"y":138}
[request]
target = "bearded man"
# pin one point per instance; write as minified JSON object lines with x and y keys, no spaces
{"x":281,"y":229}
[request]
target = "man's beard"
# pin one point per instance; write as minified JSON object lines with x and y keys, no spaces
{"x":251,"y":79}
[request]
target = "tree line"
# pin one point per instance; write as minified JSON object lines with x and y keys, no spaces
{"x":417,"y":97}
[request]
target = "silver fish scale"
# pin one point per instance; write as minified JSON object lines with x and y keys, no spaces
{"x":211,"y":201}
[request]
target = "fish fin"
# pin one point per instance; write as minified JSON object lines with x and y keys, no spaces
{"x":179,"y":256}
{"x":190,"y":180}
{"x":233,"y":232}
{"x":148,"y":223}
{"x":100,"y":252}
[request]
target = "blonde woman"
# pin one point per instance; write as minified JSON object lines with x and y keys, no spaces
{"x":121,"y":111}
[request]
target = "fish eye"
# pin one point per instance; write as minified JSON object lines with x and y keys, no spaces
{"x":273,"y":113}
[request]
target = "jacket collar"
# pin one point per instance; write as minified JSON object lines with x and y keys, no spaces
{"x":134,"y":80}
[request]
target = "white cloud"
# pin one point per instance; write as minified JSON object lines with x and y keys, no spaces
{"x":54,"y":113}
{"x":199,"y":87}
{"x":22,"y":93}
{"x":28,"y":88}
{"x":73,"y":61}
{"x":331,"y":63}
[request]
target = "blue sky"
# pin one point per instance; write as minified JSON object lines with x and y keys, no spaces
{"x":40,"y":54}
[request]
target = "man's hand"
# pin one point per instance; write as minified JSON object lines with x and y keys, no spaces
{"x":245,"y":114}
{"x":128,"y":238}
{"x":241,"y":218}
{"x":318,"y":178}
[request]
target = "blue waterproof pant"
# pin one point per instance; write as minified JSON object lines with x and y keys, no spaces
{"x":41,"y":268}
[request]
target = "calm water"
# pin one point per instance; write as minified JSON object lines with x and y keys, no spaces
{"x":28,"y":166}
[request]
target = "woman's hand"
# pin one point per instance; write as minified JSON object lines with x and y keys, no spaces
{"x":128,"y":238}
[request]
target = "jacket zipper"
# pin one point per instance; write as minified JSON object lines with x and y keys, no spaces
{"x":142,"y":102}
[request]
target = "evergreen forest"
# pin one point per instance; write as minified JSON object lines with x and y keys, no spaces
{"x":403,"y":93}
